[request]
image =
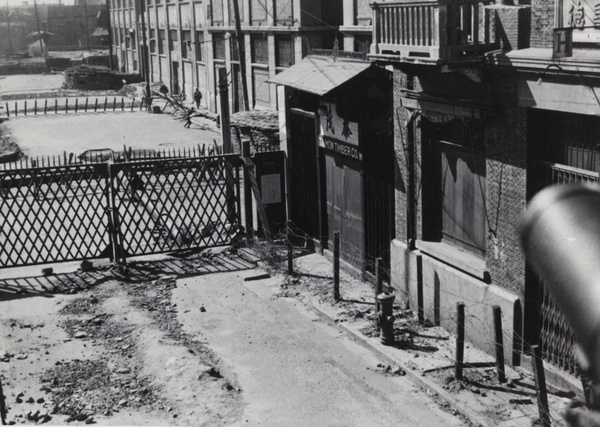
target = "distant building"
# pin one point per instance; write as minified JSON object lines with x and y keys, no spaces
{"x":188,"y":42}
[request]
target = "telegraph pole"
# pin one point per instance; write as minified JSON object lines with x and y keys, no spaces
{"x":242,"y":52}
{"x":8,"y":28}
{"x":145,"y":56}
{"x":110,"y":40}
{"x":37,"y":20}
{"x":85,"y":22}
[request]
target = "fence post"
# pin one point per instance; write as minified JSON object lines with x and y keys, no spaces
{"x":25,"y":108}
{"x":336,"y":266}
{"x":115,"y":103}
{"x":378,"y":290}
{"x":105,"y":103}
{"x":540,"y":383}
{"x":2,"y":405}
{"x":45,"y":106}
{"x":16,"y":109}
{"x":122,"y":104}
{"x":35,"y":108}
{"x":55,"y":106}
{"x":460,"y":341}
{"x":499,"y":344}
{"x":132,"y":104}
{"x":7,"y":110}
{"x":86,"y":104}
{"x":67,"y":106}
{"x":247,"y":187}
{"x":76,"y":104}
{"x":96,"y":105}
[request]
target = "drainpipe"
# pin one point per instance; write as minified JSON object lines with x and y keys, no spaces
{"x":411,"y":232}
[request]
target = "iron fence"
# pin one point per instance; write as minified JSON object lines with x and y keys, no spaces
{"x":115,"y":210}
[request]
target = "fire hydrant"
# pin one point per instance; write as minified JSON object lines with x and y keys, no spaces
{"x":386,"y":318}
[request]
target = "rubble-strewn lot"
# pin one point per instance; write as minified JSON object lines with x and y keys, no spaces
{"x":112,"y":354}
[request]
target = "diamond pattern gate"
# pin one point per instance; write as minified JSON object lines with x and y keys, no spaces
{"x":166,"y":205}
{"x":53,"y":214}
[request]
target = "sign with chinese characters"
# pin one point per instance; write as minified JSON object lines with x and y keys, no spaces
{"x":583,"y":18}
{"x":334,"y":127}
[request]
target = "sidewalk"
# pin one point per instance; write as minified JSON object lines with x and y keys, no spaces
{"x":425,"y":353}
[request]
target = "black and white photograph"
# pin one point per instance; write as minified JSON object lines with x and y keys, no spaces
{"x":300,"y":213}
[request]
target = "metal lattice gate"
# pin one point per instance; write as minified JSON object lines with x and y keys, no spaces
{"x":54,"y":214}
{"x":556,"y":335}
{"x":88,"y":211}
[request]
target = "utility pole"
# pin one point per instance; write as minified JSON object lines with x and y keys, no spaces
{"x":145,"y":57}
{"x":242,"y":52}
{"x":85,"y":23}
{"x":8,"y":28}
{"x":37,"y":20}
{"x":110,"y":40}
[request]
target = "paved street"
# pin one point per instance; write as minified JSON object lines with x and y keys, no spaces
{"x":294,"y":368}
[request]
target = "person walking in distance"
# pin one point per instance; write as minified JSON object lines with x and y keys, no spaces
{"x":197,"y":97}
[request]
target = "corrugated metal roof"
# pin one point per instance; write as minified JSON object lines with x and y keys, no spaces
{"x":320,"y":74}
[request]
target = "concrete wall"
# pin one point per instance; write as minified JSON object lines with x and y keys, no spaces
{"x":443,"y":287}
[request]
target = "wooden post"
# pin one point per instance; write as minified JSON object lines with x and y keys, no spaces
{"x":114,"y":103}
{"x":499,"y":344}
{"x":7,"y":110}
{"x":290,"y":249}
{"x":25,"y":109}
{"x":132,"y":103}
{"x":122,"y":104}
{"x":105,"y":103}
{"x":249,"y":217}
{"x":540,"y":383}
{"x":45,"y":106}
{"x":460,"y":341}
{"x":76,"y":104}
{"x":35,"y":108}
{"x":225,"y":119}
{"x":67,"y":105}
{"x":86,"y":104}
{"x":96,"y":105}
{"x":2,"y":405}
{"x":16,"y":109}
{"x":378,"y":290}
{"x":55,"y":106}
{"x":336,"y":266}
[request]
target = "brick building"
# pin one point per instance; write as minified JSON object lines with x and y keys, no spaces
{"x":189,"y":41}
{"x":488,"y":110}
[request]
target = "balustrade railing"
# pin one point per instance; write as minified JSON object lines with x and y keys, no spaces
{"x":429,"y":29}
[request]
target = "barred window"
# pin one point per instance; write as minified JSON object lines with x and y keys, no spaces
{"x":284,"y":47}
{"x":260,"y":49}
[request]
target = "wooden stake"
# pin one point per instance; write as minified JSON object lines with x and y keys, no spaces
{"x":460,"y":341}
{"x":336,"y":266}
{"x":540,"y":383}
{"x":499,"y":344}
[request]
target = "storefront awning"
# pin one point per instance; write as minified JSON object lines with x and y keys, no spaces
{"x":319,"y":74}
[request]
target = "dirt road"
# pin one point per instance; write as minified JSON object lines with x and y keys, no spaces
{"x":54,"y":134}
{"x":204,"y":350}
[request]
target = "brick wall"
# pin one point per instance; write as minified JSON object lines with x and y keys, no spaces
{"x":511,"y":25}
{"x":542,"y":23}
{"x":506,"y":150}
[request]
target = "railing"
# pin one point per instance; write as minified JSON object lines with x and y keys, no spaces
{"x":429,"y":29}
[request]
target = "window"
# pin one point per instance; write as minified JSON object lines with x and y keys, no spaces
{"x":173,"y":40}
{"x":219,"y":45}
{"x":260,"y":49}
{"x":199,"y":45}
{"x":152,"y":41}
{"x":454,"y":184}
{"x":235,"y":51}
{"x":162,"y":41}
{"x":186,"y":44}
{"x":284,"y":49}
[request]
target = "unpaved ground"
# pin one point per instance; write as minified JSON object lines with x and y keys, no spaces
{"x":54,"y":134}
{"x":114,"y":354}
